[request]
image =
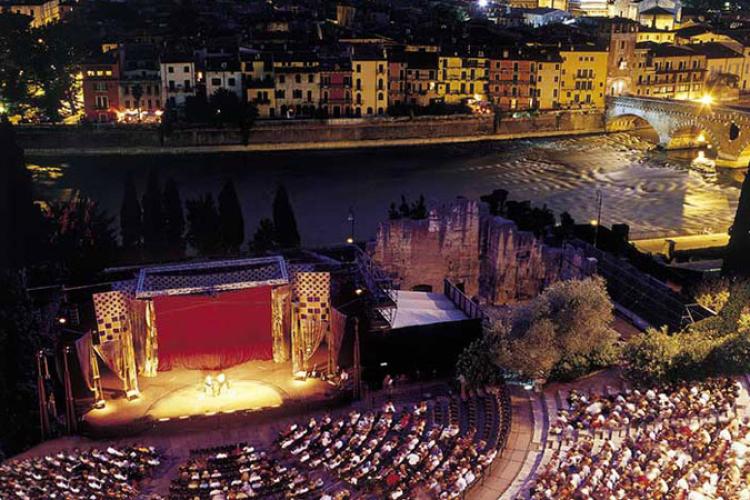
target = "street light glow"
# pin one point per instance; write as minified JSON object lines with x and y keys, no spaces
{"x":483,"y":3}
{"x":706,"y":99}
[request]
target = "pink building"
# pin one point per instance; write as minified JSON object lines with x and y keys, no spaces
{"x":336,"y":88}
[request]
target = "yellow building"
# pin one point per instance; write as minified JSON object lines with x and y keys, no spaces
{"x":646,"y":34}
{"x":547,"y":86}
{"x":583,"y":75}
{"x":669,"y":72}
{"x":41,"y":11}
{"x":259,"y":82}
{"x":369,"y":80}
{"x":461,"y":78}
{"x":745,"y":78}
{"x":724,"y":69}
{"x":702,"y":34}
{"x":657,"y":17}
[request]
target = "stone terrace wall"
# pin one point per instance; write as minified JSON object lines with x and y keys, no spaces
{"x":461,"y":241}
{"x":425,"y":252}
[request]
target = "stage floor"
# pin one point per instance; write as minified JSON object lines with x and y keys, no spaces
{"x":179,"y":394}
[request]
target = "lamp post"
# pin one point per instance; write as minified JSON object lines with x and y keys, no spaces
{"x":598,"y":220}
{"x":350,"y":218}
{"x":70,"y":411}
{"x":41,"y":373}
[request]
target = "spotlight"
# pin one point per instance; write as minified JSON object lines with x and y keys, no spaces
{"x":358,"y":291}
{"x":62,"y":320}
{"x":594,"y":222}
{"x":350,"y":240}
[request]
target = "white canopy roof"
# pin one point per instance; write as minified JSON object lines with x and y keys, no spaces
{"x":424,"y":308}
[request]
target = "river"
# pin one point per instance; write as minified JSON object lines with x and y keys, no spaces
{"x":652,"y":191}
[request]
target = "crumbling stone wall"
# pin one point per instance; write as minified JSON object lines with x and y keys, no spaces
{"x":488,"y":255}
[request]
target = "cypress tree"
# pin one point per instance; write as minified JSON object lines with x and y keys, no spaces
{"x":284,"y":221}
{"x":737,"y":259}
{"x":16,"y":204}
{"x":153,"y":217}
{"x":174,"y":220}
{"x":231,"y":223}
{"x":131,"y":231}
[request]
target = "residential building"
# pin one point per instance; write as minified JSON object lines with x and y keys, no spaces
{"x":223,"y":73}
{"x":669,"y":72}
{"x":462,"y":77}
{"x":297,"y":85}
{"x":396,"y":76}
{"x":657,"y":17}
{"x":699,"y":33}
{"x":41,"y":12}
{"x":178,"y":78}
{"x":648,"y":34}
{"x":259,"y":82}
{"x":583,"y":75}
{"x":140,"y":83}
{"x":101,"y":92}
{"x":546,"y":95}
{"x":512,"y":78}
{"x":563,"y":5}
{"x":543,"y":16}
{"x":336,"y":87}
{"x":370,"y":80}
{"x":724,"y":69}
{"x":421,"y":78}
{"x":745,"y":78}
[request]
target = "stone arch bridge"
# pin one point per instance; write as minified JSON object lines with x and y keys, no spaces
{"x":683,"y":124}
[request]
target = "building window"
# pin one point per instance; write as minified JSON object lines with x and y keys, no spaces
{"x":102,"y":102}
{"x":231,"y":82}
{"x":298,"y":78}
{"x":359,"y":68}
{"x":282,"y":79}
{"x":216,"y":81}
{"x":186,"y":69}
{"x":380,"y":96}
{"x":310,"y":78}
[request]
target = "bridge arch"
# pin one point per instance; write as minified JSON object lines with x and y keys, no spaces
{"x":633,"y":121}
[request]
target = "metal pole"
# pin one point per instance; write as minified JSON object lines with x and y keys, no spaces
{"x":350,"y":218}
{"x":598,"y":217}
{"x":42,"y":395}
{"x":357,"y":362}
{"x":70,"y":411}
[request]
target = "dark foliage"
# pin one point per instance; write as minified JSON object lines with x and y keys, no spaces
{"x":203,"y":225}
{"x":131,"y":230}
{"x":264,"y":239}
{"x":284,"y":221}
{"x":154,"y":241}
{"x":174,"y":220}
{"x":231,"y":222}
{"x":737,"y":260}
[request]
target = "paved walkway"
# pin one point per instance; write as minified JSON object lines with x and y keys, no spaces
{"x":509,"y":466}
{"x":682,"y":243}
{"x":302,"y":146}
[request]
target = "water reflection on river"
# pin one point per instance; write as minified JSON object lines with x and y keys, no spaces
{"x":648,"y":189}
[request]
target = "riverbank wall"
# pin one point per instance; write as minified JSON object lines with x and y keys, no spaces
{"x":305,"y":134}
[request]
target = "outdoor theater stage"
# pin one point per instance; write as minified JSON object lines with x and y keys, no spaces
{"x":178,"y":394}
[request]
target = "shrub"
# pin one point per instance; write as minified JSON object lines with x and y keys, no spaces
{"x":476,"y":365}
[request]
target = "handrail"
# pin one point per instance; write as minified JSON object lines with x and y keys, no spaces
{"x":460,"y":300}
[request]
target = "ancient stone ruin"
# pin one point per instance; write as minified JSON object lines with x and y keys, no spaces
{"x":486,"y":255}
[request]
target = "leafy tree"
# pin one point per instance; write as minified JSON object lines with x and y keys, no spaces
{"x":226,"y":107}
{"x":564,"y":332}
{"x":284,"y":220}
{"x":197,"y":109}
{"x":393,"y":213}
{"x":153,"y":217}
{"x":203,"y":225}
{"x":737,"y":259}
{"x":475,"y":364}
{"x":131,"y":230}
{"x":264,"y":239}
{"x":137,"y":92}
{"x":649,"y":356}
{"x":82,"y":237}
{"x":231,"y":222}
{"x":174,"y":220}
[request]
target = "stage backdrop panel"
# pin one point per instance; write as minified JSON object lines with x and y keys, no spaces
{"x":215,"y":331}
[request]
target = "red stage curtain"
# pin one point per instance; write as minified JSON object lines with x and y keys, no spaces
{"x":212,"y":332}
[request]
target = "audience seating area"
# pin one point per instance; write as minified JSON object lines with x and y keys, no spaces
{"x":433,"y":449}
{"x":112,"y":473}
{"x":685,"y":441}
